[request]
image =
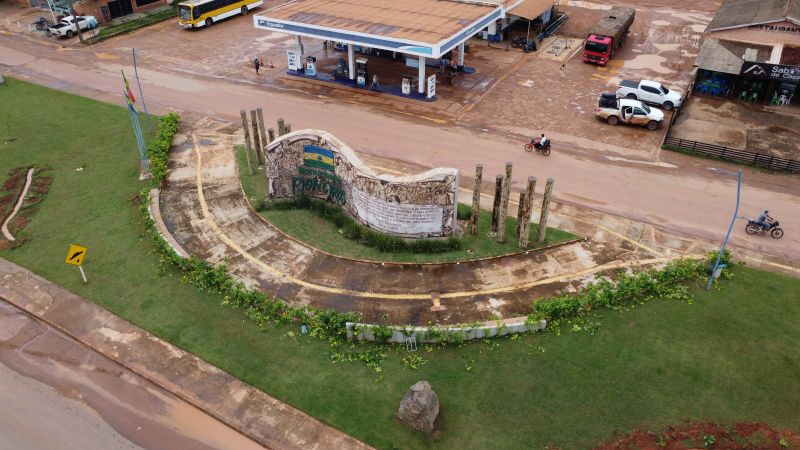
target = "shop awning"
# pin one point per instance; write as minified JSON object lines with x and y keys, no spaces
{"x":727,"y":56}
{"x":531,"y":9}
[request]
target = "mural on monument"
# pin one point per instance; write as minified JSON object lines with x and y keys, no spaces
{"x":316,"y":163}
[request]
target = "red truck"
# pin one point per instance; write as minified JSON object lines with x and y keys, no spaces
{"x":608,"y":35}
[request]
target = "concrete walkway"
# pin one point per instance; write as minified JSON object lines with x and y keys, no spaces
{"x":250,"y":411}
{"x":204,"y":209}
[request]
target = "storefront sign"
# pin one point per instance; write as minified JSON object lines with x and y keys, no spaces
{"x":432,"y":86}
{"x":766,"y":71}
{"x":291,"y":55}
{"x":776,"y":29}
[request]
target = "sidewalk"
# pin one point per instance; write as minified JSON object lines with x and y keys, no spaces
{"x":255,"y":414}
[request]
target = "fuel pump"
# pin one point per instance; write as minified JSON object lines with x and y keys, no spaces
{"x":311,"y":66}
{"x":361,"y":72}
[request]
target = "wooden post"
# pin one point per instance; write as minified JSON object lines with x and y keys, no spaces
{"x":526,"y":206}
{"x":476,"y":200}
{"x":498,"y":194}
{"x":281,"y":127}
{"x":247,"y":142}
{"x":271,"y":135}
{"x":501,"y":220}
{"x":548,"y":191}
{"x":288,"y":128}
{"x":264,"y":139}
{"x":256,"y":139}
{"x":520,"y":214}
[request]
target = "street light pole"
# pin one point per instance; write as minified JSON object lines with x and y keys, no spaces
{"x":730,"y":228}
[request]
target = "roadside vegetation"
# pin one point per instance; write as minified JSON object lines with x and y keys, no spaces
{"x":150,"y":17}
{"x":725,"y":356}
{"x":329,"y":229}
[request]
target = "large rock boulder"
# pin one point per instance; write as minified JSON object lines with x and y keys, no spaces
{"x":419,"y":407}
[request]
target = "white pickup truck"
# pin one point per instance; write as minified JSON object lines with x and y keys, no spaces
{"x":66,"y":26}
{"x":650,"y":92}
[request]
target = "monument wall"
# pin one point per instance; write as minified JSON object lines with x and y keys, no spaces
{"x":316,"y":163}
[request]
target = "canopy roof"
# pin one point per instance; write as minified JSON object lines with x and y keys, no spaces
{"x":531,"y":9}
{"x":742,"y":13}
{"x":421,"y":27}
{"x":728,"y":57}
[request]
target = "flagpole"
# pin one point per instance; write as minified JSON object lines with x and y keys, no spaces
{"x":136,"y":73}
{"x":137,"y":132}
{"x":137,"y":128}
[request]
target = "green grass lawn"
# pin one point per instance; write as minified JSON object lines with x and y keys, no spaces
{"x":730,"y":355}
{"x":308,"y":227}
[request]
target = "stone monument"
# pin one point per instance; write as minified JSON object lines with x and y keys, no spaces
{"x":419,"y":407}
{"x":315,"y":163}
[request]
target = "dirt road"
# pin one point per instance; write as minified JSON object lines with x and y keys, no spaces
{"x":667,"y":189}
{"x":58,"y":393}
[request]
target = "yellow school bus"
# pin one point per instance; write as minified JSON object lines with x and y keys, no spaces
{"x":203,"y":13}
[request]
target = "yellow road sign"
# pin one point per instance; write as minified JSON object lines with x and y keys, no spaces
{"x":75,"y":255}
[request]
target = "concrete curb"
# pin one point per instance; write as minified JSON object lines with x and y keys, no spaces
{"x":20,"y":200}
{"x":155,"y":214}
{"x":244,"y":408}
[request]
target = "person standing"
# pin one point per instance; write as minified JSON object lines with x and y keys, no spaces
{"x":563,"y":71}
{"x":257,"y":64}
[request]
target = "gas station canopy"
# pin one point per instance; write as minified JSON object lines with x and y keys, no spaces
{"x":428,"y":28}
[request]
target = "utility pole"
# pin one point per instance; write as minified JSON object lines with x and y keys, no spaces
{"x":78,"y":25}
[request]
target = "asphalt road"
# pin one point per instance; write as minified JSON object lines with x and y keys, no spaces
{"x":57,"y":393}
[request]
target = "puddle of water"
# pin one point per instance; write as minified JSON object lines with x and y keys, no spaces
{"x":667,"y":47}
{"x":206,"y":429}
{"x":635,"y":161}
{"x":650,"y":62}
{"x":698,"y":27}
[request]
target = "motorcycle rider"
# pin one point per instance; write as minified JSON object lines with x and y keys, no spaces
{"x":543,"y":141}
{"x":764,"y":220}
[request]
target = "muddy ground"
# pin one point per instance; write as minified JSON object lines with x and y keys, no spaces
{"x":511,"y":92}
{"x":740,"y":125}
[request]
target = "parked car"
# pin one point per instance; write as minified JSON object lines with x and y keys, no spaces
{"x":66,"y":26}
{"x":650,"y":92}
{"x":615,"y":110}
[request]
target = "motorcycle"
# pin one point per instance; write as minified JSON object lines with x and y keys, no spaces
{"x":754,"y":227}
{"x":43,"y":24}
{"x":528,"y":45}
{"x":536,"y":143}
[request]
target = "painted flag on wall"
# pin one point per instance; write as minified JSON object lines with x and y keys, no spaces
{"x":317,"y":157}
{"x":128,"y":91}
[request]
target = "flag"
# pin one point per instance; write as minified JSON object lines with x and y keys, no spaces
{"x":128,"y":91}
{"x":130,"y":104}
{"x":317,"y":157}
